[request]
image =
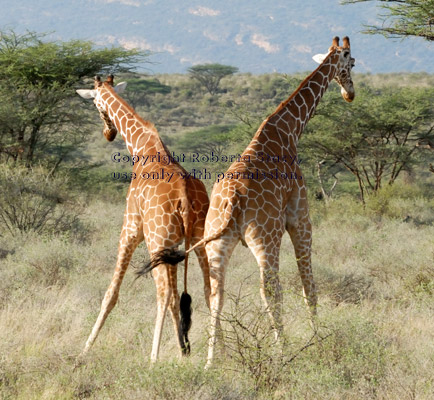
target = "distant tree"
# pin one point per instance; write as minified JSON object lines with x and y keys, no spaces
{"x":327,"y":176}
{"x":375,"y":139}
{"x":139,"y":90}
{"x":403,"y":18}
{"x":215,"y":138}
{"x":210,"y":75}
{"x":40,"y":115}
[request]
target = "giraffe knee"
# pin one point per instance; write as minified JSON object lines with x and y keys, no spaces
{"x":174,"y":301}
{"x":110,"y":300}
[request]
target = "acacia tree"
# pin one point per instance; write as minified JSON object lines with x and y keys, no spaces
{"x":376,"y":138}
{"x":403,"y":18}
{"x":139,"y":90}
{"x":40,"y":116}
{"x":210,"y":75}
{"x":215,"y":138}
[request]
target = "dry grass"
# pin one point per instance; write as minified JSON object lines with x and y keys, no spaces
{"x":375,"y":279}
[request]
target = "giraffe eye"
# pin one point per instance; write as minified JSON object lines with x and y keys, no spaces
{"x":346,"y":54}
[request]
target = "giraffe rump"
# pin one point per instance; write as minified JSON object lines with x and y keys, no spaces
{"x":166,"y":256}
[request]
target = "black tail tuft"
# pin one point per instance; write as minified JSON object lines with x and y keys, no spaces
{"x":166,"y":256}
{"x":185,"y":322}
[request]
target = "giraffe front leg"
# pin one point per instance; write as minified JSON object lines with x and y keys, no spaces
{"x":130,"y":238}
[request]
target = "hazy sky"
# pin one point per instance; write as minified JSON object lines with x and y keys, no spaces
{"x":255,"y":35}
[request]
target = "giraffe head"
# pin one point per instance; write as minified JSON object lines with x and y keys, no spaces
{"x":100,"y":87}
{"x":344,"y":64}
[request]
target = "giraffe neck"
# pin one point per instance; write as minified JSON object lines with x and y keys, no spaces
{"x":280,"y":132}
{"x":140,"y":136}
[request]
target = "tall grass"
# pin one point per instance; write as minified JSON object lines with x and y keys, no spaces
{"x":373,"y":267}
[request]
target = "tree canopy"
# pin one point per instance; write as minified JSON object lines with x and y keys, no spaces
{"x":139,"y":90}
{"x":215,"y":138}
{"x":210,"y":75}
{"x":37,"y":81}
{"x":376,"y":138}
{"x":403,"y":18}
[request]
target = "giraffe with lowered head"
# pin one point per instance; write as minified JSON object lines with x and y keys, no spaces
{"x":263,"y":194}
{"x":162,"y":208}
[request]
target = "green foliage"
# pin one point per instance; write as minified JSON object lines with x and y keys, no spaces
{"x":30,"y":60}
{"x":377,"y":137}
{"x":215,"y":138}
{"x":139,"y":90}
{"x":403,"y":18}
{"x":39,"y":114}
{"x":210,"y":75}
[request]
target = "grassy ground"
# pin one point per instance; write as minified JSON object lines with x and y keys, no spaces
{"x":373,"y":267}
{"x":375,"y":277}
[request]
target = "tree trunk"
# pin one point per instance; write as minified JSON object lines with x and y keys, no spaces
{"x":32,"y":145}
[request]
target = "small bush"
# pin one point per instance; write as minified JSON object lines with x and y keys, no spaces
{"x":31,"y":200}
{"x":253,"y":349}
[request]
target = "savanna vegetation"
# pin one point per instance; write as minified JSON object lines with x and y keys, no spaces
{"x":402,"y":18}
{"x":368,"y":168}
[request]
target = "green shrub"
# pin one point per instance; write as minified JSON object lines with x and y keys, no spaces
{"x":31,"y":200}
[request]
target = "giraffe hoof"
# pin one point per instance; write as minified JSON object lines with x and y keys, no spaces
{"x":79,"y":362}
{"x":186,"y":349}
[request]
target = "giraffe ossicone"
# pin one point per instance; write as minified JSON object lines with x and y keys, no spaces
{"x":160,"y":212}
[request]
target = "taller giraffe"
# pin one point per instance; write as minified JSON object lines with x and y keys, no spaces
{"x":262,"y":194}
{"x":162,"y":208}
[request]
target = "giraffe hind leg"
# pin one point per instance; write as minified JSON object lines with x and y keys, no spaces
{"x":203,"y":262}
{"x":169,"y":298}
{"x":128,"y":244}
{"x":219,"y":252}
{"x":165,"y":278}
{"x":301,"y":237}
{"x":180,"y":309}
{"x":267,"y":258}
{"x":164,"y":294}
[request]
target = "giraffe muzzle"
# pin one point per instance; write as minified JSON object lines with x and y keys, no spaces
{"x":348,"y":95}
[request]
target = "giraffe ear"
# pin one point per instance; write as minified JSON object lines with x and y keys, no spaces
{"x":319,"y":58}
{"x":86,"y":93}
{"x":120,"y":87}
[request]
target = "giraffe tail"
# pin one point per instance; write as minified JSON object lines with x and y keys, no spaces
{"x":166,"y":256}
{"x":185,"y":311}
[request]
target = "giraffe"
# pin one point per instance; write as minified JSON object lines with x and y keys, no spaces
{"x":162,"y":207}
{"x":263,"y":194}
